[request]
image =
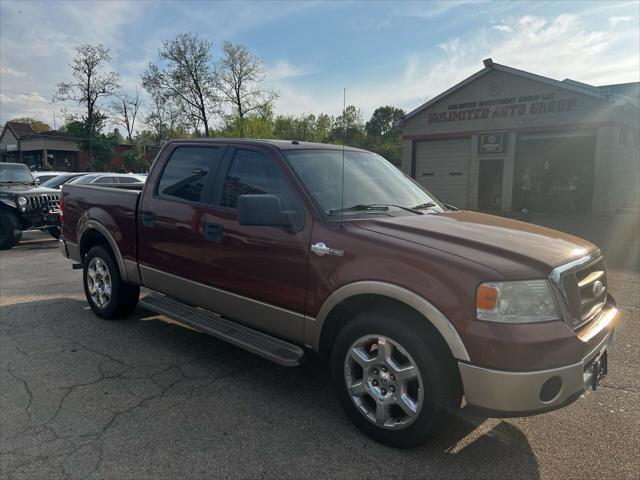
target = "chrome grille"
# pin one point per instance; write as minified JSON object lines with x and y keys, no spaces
{"x":583,"y":286}
{"x":41,"y":202}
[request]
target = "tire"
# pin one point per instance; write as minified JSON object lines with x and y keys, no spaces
{"x":108,"y":295}
{"x":54,"y":232}
{"x":435,"y":393}
{"x":10,"y":230}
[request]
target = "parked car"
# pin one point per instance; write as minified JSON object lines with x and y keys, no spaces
{"x":44,"y":176}
{"x":58,"y":181}
{"x":107,"y":178}
{"x":24,"y":205}
{"x":415,"y":305}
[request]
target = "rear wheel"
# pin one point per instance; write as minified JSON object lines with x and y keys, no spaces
{"x":108,"y":295}
{"x":10,"y":230}
{"x":395,"y":379}
{"x":54,"y":232}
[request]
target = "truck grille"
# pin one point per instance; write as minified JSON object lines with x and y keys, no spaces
{"x":41,"y":202}
{"x":584,"y":289}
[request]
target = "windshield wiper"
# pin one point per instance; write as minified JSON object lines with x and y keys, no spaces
{"x":425,"y":206}
{"x":373,"y":207}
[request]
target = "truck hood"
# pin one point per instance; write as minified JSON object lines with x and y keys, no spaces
{"x":507,"y":246}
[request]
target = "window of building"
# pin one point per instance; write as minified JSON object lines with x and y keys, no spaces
{"x":188,"y":171}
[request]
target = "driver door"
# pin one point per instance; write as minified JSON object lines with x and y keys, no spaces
{"x":261,"y":269}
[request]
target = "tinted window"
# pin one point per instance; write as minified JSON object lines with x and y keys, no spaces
{"x":187,"y":172}
{"x":59,"y":180}
{"x":128,"y":180}
{"x":105,"y":180}
{"x":83,"y":180}
{"x":252,"y":173}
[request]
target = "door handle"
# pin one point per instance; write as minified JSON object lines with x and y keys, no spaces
{"x":213,"y":232}
{"x":321,"y":250}
{"x":148,"y":219}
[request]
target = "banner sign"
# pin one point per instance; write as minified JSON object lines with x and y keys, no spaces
{"x":504,"y":107}
{"x":492,"y":143}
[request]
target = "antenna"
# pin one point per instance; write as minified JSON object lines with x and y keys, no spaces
{"x":344,"y":133}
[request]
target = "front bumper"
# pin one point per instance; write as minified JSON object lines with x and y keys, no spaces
{"x":503,"y":393}
{"x":43,"y":219}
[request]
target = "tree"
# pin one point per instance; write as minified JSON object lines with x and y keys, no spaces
{"x":164,"y":118}
{"x":37,"y":125}
{"x":384,"y":122}
{"x":185,"y":76}
{"x":348,"y":128}
{"x":90,"y":83}
{"x":125,"y":111}
{"x":239,"y":75}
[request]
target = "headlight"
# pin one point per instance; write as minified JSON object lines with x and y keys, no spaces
{"x":523,"y":301}
{"x":22,"y":201}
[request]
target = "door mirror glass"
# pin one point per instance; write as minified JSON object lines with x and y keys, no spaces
{"x":263,"y":210}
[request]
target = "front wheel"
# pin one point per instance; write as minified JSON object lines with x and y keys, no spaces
{"x":395,"y":378}
{"x":108,"y":295}
{"x":10,"y":230}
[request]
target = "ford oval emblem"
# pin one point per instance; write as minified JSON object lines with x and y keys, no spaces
{"x":598,"y":288}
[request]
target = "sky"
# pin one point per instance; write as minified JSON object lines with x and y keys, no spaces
{"x":383,"y":53}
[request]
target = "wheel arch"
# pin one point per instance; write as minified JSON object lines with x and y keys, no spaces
{"x":94,"y":233}
{"x":359,"y":296}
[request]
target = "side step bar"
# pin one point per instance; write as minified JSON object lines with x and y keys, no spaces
{"x":271,"y":348}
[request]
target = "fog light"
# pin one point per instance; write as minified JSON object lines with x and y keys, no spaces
{"x":550,"y":389}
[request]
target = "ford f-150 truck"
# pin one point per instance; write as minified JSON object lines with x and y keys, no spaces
{"x":284,"y":247}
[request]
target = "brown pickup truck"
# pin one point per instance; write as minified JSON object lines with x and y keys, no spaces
{"x":284,"y":247}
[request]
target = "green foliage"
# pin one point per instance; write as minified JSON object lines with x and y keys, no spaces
{"x":381,"y":134}
{"x":348,"y":128}
{"x":385,"y":122}
{"x":134,"y":160}
{"x":100,"y":146}
{"x":37,"y":125}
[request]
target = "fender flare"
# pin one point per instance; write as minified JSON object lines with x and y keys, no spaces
{"x":407,"y":297}
{"x":95,"y":225}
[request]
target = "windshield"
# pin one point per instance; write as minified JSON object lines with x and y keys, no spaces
{"x":369,"y":180}
{"x":15,"y":174}
{"x":83,"y":179}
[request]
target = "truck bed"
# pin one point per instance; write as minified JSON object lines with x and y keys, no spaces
{"x":115,"y":207}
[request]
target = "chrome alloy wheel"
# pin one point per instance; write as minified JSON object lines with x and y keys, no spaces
{"x":99,"y":282}
{"x":383,"y":381}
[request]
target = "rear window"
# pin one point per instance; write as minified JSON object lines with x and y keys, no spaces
{"x":83,"y":180}
{"x":188,"y":172}
{"x":129,"y":180}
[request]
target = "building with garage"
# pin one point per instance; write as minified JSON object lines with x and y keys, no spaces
{"x":505,"y":139}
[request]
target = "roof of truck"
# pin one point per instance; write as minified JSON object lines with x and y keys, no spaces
{"x":279,"y":144}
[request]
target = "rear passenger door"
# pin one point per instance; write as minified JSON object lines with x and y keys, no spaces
{"x":171,"y":217}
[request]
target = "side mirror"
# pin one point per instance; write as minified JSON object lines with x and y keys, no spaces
{"x":262,"y":210}
{"x":36,"y":181}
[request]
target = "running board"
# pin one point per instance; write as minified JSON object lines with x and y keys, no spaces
{"x":271,"y":348}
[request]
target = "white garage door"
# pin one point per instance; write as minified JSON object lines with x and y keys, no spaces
{"x":442,"y":166}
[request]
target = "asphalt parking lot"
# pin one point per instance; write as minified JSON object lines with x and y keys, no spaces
{"x":84,"y":398}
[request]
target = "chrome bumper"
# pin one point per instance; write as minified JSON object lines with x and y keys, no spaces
{"x":501,"y":393}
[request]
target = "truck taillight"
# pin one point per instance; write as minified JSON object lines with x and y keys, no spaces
{"x":61,"y":208}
